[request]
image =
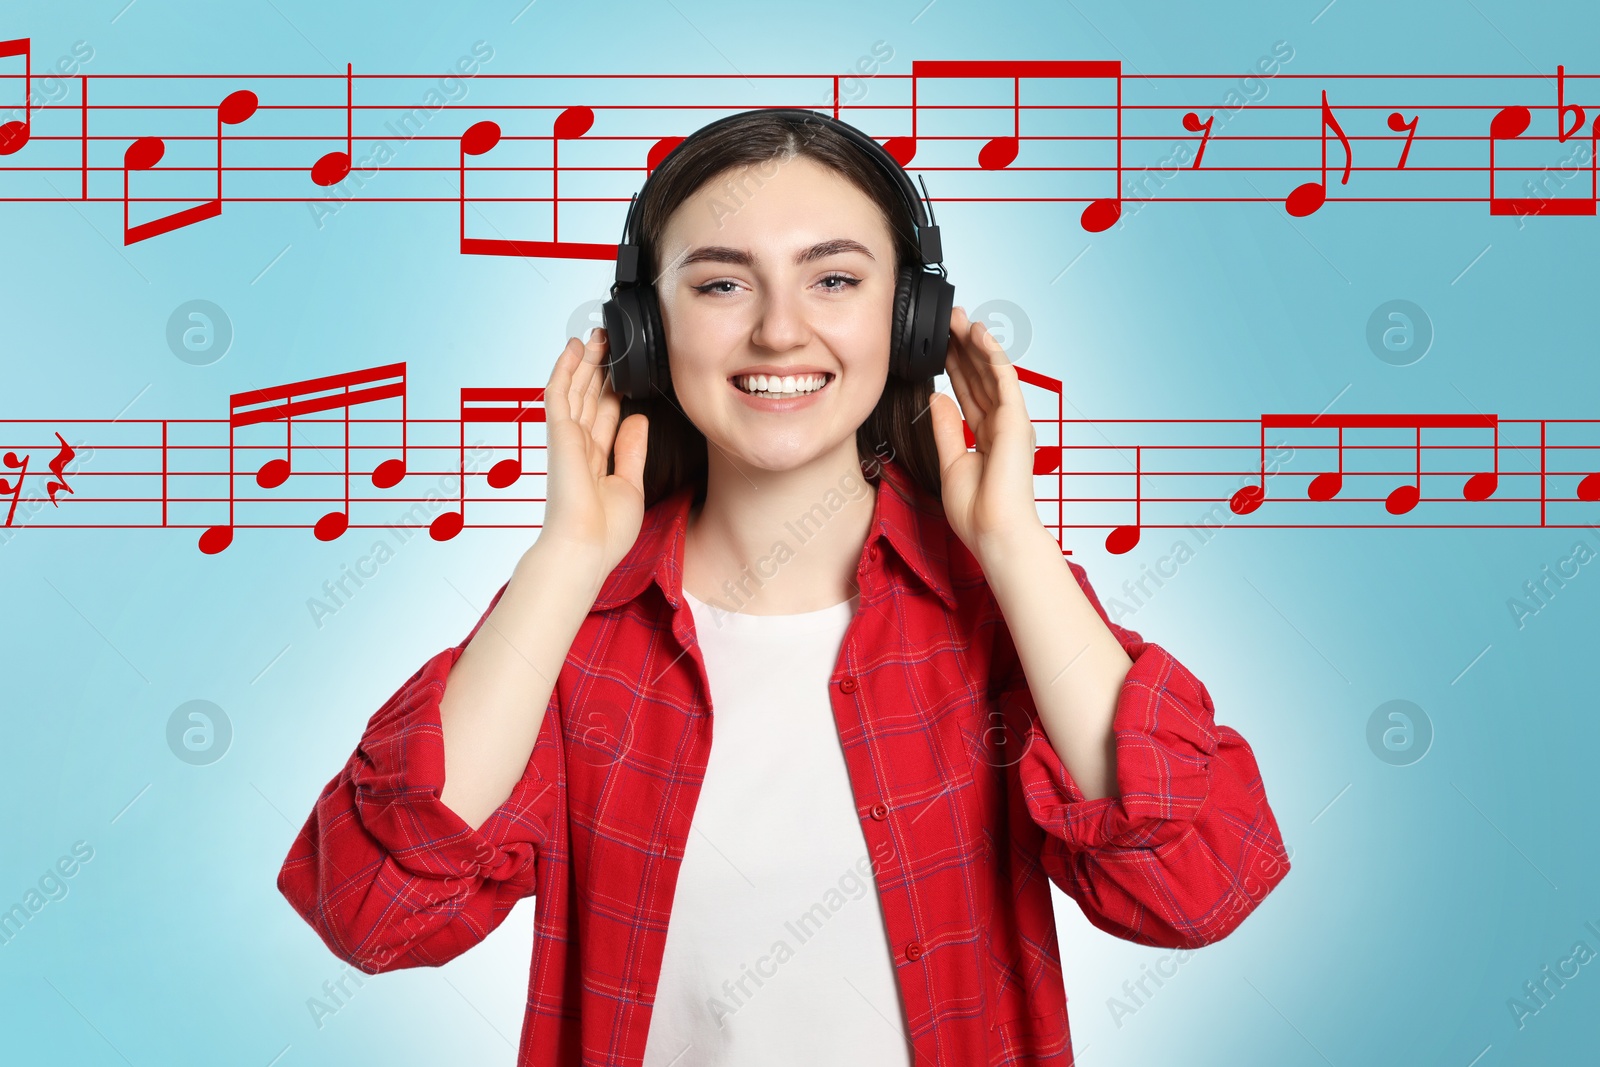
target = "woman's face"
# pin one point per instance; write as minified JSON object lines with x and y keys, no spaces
{"x":786,"y":267}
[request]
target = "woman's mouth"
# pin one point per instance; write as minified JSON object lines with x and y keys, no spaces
{"x":774,"y":387}
{"x":773,"y":392}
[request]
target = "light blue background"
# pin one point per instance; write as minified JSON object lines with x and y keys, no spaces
{"x":1422,"y":897}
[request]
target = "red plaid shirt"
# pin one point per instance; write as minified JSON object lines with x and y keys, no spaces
{"x":965,"y":808}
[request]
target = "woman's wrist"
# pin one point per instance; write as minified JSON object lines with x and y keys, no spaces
{"x":553,"y":562}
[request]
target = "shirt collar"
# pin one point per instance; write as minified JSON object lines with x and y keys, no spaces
{"x":919,"y":534}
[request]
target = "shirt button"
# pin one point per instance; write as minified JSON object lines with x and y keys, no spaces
{"x":872,"y":552}
{"x":847,"y":684}
{"x":914,"y":951}
{"x":880,"y":811}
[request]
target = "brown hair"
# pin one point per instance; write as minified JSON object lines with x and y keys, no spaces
{"x":896,"y":429}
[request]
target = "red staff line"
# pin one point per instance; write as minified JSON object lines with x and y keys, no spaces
{"x":811,"y":75}
{"x":241,"y":169}
{"x":1174,"y":472}
{"x":938,"y":200}
{"x":1009,"y":108}
{"x":445,"y":421}
{"x":1380,"y":138}
{"x":1069,"y":526}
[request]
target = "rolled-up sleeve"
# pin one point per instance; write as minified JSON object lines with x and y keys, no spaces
{"x":1189,"y":846}
{"x":384,"y":871}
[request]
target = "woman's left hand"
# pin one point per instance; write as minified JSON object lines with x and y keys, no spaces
{"x":988,"y":494}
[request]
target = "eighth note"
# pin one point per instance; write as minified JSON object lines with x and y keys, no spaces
{"x":146,"y":152}
{"x":1510,"y":123}
{"x":1309,"y":197}
{"x":482,"y":137}
{"x":334,"y":167}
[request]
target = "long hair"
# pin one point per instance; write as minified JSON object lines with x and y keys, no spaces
{"x":900,"y":428}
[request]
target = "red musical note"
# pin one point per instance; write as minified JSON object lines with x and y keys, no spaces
{"x":1123,"y":538}
{"x":1481,"y":486}
{"x":658,"y":152}
{"x":1397,"y":122}
{"x":21,"y":467}
{"x":280,"y":403}
{"x":146,"y":152}
{"x":1192,"y":123}
{"x":1588,"y":486}
{"x":1403,"y":498}
{"x":480,"y":137}
{"x":13,"y":135}
{"x":491,"y":408}
{"x":334,"y":167}
{"x":1046,"y":458}
{"x":505,"y":473}
{"x":1326,"y":485}
{"x":1307,"y":198}
{"x":1000,"y":152}
{"x":1512,"y":122}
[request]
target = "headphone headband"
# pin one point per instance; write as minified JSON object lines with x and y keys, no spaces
{"x":928,"y":243}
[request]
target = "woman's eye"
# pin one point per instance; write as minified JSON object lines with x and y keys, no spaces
{"x":847,"y":282}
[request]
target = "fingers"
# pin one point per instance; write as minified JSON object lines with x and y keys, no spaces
{"x":959,"y":368}
{"x":630,"y":450}
{"x":557,"y":390}
{"x":983,"y":356}
{"x":594,"y":371}
{"x":947,"y":439}
{"x":604,"y":431}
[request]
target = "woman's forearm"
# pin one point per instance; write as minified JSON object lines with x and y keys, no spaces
{"x":496,"y":693}
{"x":1074,"y":664}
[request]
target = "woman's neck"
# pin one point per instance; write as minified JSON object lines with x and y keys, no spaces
{"x":778,"y":542}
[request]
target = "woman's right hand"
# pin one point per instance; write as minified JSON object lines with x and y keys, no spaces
{"x":595,"y":514}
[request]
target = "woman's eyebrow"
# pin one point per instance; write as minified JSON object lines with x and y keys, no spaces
{"x":743,"y":258}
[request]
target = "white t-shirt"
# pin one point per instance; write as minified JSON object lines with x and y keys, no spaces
{"x":776,"y":952}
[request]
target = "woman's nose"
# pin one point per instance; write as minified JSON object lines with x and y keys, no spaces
{"x":781,"y":321}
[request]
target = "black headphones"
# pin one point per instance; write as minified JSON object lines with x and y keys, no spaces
{"x":923,"y":297}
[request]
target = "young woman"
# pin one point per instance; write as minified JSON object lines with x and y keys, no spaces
{"x":922,"y":714}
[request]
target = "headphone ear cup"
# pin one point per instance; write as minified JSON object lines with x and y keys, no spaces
{"x":901,"y":328}
{"x":655,"y":352}
{"x":930,"y":340}
{"x":632,"y":322}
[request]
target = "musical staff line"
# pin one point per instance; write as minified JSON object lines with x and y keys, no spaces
{"x":1069,"y":132}
{"x":379,"y":466}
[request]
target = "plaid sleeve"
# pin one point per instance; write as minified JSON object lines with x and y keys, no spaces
{"x":1190,"y":846}
{"x":389,"y":876}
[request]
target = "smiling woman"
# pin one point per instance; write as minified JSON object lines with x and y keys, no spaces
{"x":756,"y":503}
{"x":769,"y":220}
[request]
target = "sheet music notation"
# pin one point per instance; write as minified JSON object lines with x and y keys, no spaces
{"x":542,"y":165}
{"x":342,"y":453}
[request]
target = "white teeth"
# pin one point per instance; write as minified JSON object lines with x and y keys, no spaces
{"x":772,"y":385}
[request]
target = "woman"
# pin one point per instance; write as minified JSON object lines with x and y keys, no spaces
{"x":922,"y":711}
